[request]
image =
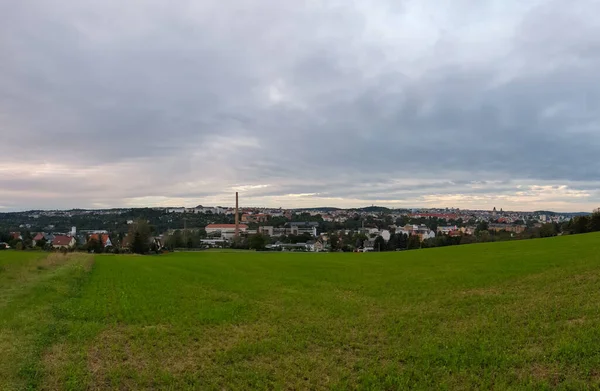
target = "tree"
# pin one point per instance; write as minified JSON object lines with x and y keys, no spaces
{"x":5,"y":237}
{"x":547,"y":230}
{"x":482,"y":226}
{"x":594,"y":224}
{"x":414,"y":242}
{"x":257,"y":242}
{"x":379,"y":244}
{"x":394,"y":242}
{"x":581,"y":224}
{"x":402,"y":241}
{"x":334,"y":241}
{"x":40,"y":243}
{"x":138,"y":245}
{"x":468,"y":239}
{"x":94,"y":245}
{"x":483,"y":236}
{"x":140,"y":231}
{"x":175,"y":240}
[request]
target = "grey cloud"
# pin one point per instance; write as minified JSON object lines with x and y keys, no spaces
{"x":330,"y":99}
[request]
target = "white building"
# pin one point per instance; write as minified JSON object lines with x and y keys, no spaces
{"x":385,"y":234}
{"x":428,"y":235}
{"x":227,"y":231}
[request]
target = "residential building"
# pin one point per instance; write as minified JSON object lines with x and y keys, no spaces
{"x":63,"y":241}
{"x":299,"y":228}
{"x":447,"y":230}
{"x":227,"y":231}
{"x":315,"y":246}
{"x":106,"y":242}
{"x":254,"y":218}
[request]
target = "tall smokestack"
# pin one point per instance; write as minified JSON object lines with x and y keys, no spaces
{"x":237,"y":219}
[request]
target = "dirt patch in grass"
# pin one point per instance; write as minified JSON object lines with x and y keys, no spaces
{"x":151,"y":350}
{"x":576,"y":322}
{"x":54,"y":361}
{"x":481,"y":292}
{"x":543,"y":373}
{"x":163,"y":356}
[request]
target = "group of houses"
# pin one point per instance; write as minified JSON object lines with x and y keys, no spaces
{"x":69,"y":240}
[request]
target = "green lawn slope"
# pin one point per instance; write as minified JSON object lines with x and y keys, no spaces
{"x":511,"y":315}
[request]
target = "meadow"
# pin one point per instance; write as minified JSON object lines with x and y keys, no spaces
{"x":511,"y":315}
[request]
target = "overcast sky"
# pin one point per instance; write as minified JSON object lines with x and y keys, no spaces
{"x":417,"y":103}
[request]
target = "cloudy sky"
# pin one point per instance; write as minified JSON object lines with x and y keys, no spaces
{"x":403,"y":103}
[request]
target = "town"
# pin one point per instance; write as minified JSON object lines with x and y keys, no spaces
{"x":315,"y":229}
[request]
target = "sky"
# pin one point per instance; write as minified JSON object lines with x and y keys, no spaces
{"x":402,"y":103}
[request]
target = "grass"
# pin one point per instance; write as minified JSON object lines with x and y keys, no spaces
{"x":513,"y":315}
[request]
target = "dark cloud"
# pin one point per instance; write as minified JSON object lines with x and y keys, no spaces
{"x":300,"y":103}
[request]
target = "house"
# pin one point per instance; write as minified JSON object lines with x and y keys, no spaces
{"x":311,"y":245}
{"x":37,"y":238}
{"x":447,"y":230}
{"x":368,"y":245}
{"x":427,"y":235}
{"x":106,"y":242}
{"x":63,"y":241}
{"x":227,"y":231}
{"x":16,"y":236}
{"x":319,"y":246}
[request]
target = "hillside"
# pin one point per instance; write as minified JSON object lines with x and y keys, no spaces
{"x":511,"y":315}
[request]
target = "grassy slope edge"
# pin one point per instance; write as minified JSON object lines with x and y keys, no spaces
{"x":32,"y":288}
{"x":513,"y":315}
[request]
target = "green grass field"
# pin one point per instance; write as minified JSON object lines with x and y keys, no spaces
{"x":512,"y":315}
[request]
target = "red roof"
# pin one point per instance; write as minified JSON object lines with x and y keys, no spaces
{"x":230,"y":226}
{"x":105,"y":238}
{"x":61,"y":240}
{"x":39,"y":236}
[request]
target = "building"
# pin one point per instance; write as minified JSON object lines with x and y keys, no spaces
{"x":299,"y":228}
{"x":226,"y":231}
{"x":292,"y":246}
{"x":266,"y":230}
{"x":447,"y":230}
{"x":63,"y":241}
{"x":315,"y":246}
{"x":106,"y":242}
{"x":254,"y":218}
{"x":507,"y":227}
{"x":427,"y":235}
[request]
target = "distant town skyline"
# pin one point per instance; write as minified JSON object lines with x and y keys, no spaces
{"x":298,"y":104}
